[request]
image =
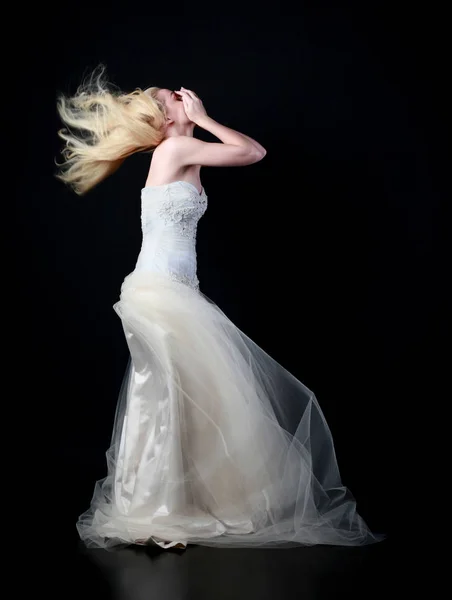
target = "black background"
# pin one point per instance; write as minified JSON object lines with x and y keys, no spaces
{"x":323,"y":253}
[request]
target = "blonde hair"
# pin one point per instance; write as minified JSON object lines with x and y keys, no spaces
{"x":111,"y":125}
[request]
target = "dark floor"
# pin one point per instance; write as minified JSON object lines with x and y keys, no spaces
{"x":64,"y":567}
{"x":200,"y":573}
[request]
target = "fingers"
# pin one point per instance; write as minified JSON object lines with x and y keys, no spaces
{"x":188,"y":92}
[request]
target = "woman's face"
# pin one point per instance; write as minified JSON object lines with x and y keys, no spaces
{"x":173,"y":105}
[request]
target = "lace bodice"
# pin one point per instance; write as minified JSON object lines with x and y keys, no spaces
{"x":169,"y":219}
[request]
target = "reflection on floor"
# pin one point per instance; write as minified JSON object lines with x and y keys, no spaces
{"x":320,"y":572}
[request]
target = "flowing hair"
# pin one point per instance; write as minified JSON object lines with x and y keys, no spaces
{"x":104,"y":127}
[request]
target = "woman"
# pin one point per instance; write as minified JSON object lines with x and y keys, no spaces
{"x":214,"y":442}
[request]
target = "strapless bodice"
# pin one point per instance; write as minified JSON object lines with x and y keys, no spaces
{"x":169,"y":219}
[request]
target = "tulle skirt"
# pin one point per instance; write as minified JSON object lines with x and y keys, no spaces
{"x":214,"y":442}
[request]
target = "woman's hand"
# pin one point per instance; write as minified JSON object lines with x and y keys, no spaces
{"x":193,"y":105}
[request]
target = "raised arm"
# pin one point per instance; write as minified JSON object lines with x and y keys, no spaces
{"x":184,"y":150}
{"x":236,"y":150}
{"x":228,"y":135}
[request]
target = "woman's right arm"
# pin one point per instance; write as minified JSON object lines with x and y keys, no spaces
{"x":228,"y":135}
{"x":184,"y":150}
{"x":237,"y":150}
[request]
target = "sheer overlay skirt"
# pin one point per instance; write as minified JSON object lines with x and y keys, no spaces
{"x":214,"y":442}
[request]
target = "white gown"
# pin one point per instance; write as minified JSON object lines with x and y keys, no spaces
{"x":214,"y":442}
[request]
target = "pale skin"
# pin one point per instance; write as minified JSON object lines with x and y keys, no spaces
{"x":180,"y":156}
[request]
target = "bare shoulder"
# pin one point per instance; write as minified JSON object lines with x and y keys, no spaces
{"x":169,"y":152}
{"x":176,"y":144}
{"x":168,"y":145}
{"x":165,"y":153}
{"x":185,"y":151}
